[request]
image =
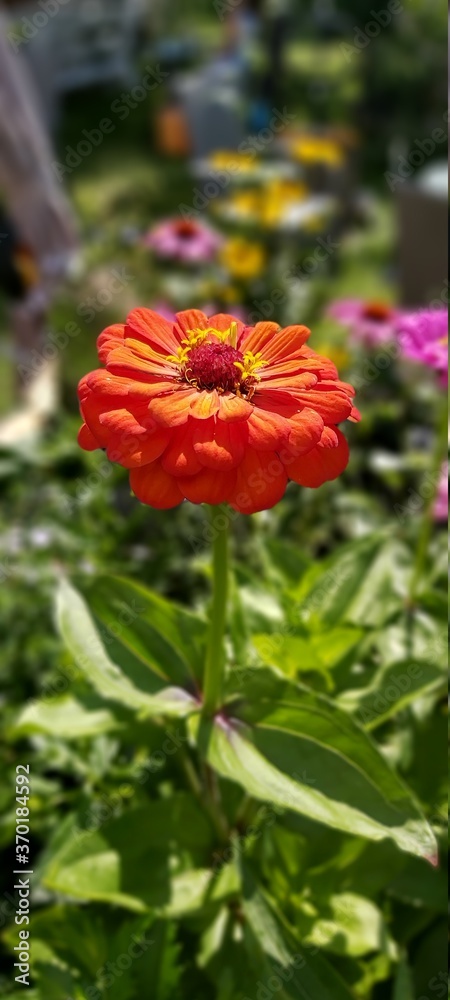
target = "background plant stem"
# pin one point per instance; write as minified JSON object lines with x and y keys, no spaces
{"x":214,"y":663}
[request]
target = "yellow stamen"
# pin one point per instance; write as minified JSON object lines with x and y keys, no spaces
{"x":252,"y":362}
{"x":196,"y":337}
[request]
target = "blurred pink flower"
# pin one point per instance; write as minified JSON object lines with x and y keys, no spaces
{"x":183,"y":240}
{"x":372,"y":323}
{"x":163,"y":309}
{"x":423,"y":336}
{"x":441,"y":505}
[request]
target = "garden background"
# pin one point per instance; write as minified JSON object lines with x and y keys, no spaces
{"x":343,"y":588}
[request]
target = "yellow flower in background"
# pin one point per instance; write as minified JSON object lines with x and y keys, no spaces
{"x":315,"y":149}
{"x":337,"y":354}
{"x":276,"y":199}
{"x":225,"y":159}
{"x":287,"y":191}
{"x":314,"y":225}
{"x":267,"y":205}
{"x":230,"y":294}
{"x":243,"y":259}
{"x":245,"y":203}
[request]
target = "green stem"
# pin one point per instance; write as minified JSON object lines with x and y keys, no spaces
{"x":214,"y":664}
{"x":426,"y":527}
{"x":204,"y":797}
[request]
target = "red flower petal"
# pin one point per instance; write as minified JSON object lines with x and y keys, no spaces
{"x":321,"y":464}
{"x":112,"y":337}
{"x":219,"y":445}
{"x":86,"y":439}
{"x":287,"y":343}
{"x":257,"y":338}
{"x":306,"y":431}
{"x":223,"y":321}
{"x":208,"y":486}
{"x":331,"y":404}
{"x":179,"y":458}
{"x":172,"y":409}
{"x":205,"y":404}
{"x":189,"y":319}
{"x":129,"y":443}
{"x":127,"y":364}
{"x":149,"y":326}
{"x":154,"y":487}
{"x":115,"y":389}
{"x":267,"y":430}
{"x":261,"y":482}
{"x":234,"y":408}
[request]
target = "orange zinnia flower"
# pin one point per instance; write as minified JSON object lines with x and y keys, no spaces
{"x":215,"y":411}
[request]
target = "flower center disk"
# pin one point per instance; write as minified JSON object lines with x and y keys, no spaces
{"x":214,"y":366}
{"x":378,"y":312}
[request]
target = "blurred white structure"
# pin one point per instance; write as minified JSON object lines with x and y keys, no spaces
{"x":76,"y":43}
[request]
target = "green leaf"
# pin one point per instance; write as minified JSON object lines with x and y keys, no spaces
{"x":286,"y":745}
{"x":73,"y":944}
{"x":299,"y":970}
{"x":394,"y":688}
{"x":161,"y":964}
{"x":140,"y":860}
{"x":287,"y":559}
{"x":362,"y":584}
{"x":343,"y":923}
{"x":299,"y":653}
{"x":404,"y":984}
{"x":145,"y":628}
{"x":65,"y":718}
{"x":84,"y":643}
{"x":416,"y":637}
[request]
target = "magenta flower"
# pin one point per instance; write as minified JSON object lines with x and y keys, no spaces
{"x":441,"y":504}
{"x":183,"y":240}
{"x":423,"y":336}
{"x":372,"y":323}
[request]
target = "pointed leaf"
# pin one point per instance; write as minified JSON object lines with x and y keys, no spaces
{"x":394,"y":688}
{"x":130,"y":861}
{"x":64,"y":717}
{"x":303,"y":973}
{"x":83,"y":641}
{"x":141,"y":626}
{"x":286,"y":745}
{"x":362,"y":584}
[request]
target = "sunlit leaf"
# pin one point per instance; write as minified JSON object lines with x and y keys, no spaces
{"x":286,"y":745}
{"x":83,"y":641}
